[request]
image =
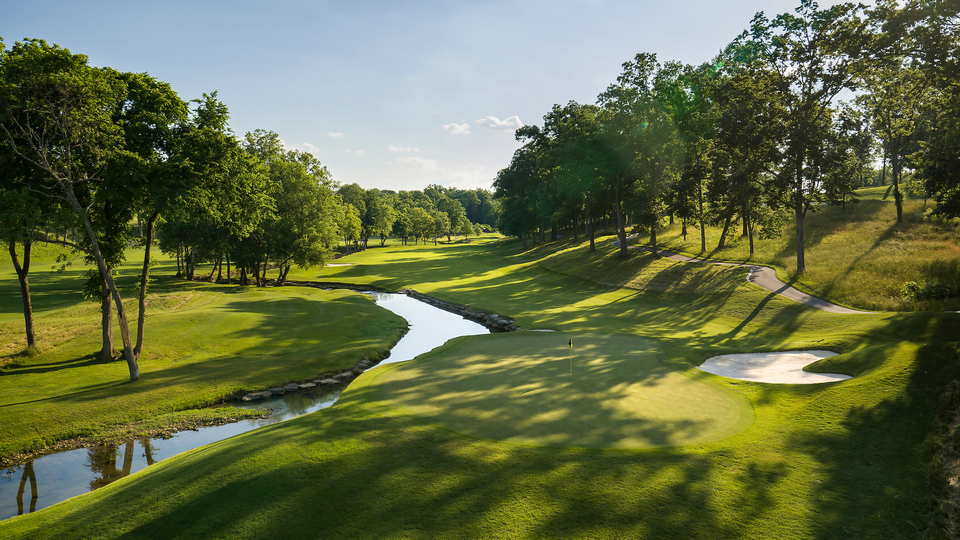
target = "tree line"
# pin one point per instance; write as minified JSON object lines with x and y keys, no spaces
{"x":754,"y":135}
{"x":86,"y":151}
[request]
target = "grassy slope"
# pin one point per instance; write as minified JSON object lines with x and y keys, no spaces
{"x":203,"y":343}
{"x":820,"y":461}
{"x":857,"y":257}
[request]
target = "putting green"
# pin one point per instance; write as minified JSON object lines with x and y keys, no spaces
{"x":606,"y":392}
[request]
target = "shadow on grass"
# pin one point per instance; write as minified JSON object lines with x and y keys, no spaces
{"x":351,"y":475}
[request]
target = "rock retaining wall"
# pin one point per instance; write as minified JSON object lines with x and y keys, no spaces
{"x":494,"y":322}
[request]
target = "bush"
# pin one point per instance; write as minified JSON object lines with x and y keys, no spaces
{"x":930,"y":290}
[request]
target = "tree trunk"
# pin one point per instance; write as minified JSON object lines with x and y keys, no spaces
{"x":590,"y":226}
{"x":895,"y":165}
{"x":748,"y":219}
{"x":22,"y":272}
{"x":191,"y":265}
{"x":144,"y":275}
{"x":883,"y":175}
{"x":106,"y":321}
{"x":723,"y":234}
{"x":703,"y":231}
{"x":653,"y":239}
{"x":621,"y":229}
{"x":801,"y":263}
{"x":219,"y":268}
{"x":228,"y":268}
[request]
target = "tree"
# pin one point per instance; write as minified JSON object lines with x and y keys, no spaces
{"x":847,"y":155}
{"x":645,"y":153}
{"x":895,"y":102}
{"x":748,"y":142}
{"x":57,"y":115}
{"x":380,"y":216}
{"x":303,"y":226}
{"x":814,"y":54}
{"x":148,"y":173}
{"x":422,"y":223}
{"x":350,"y":225}
{"x":515,"y":187}
{"x":574,"y":151}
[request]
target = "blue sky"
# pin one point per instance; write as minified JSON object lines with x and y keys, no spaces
{"x":394,"y":95}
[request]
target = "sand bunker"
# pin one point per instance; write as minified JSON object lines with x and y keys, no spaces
{"x":773,"y":367}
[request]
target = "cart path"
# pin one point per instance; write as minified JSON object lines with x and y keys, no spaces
{"x":762,"y":276}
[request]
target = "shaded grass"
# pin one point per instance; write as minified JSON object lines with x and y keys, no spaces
{"x":844,"y":460}
{"x":205,"y":343}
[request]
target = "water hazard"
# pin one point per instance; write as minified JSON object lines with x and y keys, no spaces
{"x":50,"y":479}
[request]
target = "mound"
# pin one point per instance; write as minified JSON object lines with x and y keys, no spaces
{"x":604,"y":392}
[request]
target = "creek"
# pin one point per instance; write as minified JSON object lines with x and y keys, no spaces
{"x":52,"y":478}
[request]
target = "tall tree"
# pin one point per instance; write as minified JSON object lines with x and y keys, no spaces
{"x":814,"y":54}
{"x":894,"y":100}
{"x":57,"y":115}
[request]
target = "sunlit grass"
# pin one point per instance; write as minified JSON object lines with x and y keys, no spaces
{"x":844,"y":460}
{"x":204,"y":344}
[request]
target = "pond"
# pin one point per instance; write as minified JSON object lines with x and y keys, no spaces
{"x":49,"y":479}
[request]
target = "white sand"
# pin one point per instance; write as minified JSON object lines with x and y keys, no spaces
{"x":340,"y":264}
{"x":775,"y":367}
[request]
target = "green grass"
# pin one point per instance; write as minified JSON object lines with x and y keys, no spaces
{"x":857,"y":257}
{"x":845,"y":460}
{"x":204,"y":344}
{"x":605,"y":392}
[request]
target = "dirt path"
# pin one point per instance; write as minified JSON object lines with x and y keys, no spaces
{"x":765,"y":277}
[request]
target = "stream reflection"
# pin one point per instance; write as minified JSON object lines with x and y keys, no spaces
{"x":71,"y":473}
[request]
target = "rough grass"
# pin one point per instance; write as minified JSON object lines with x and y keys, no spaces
{"x":848,"y":460}
{"x":857,"y":257}
{"x":204,"y":344}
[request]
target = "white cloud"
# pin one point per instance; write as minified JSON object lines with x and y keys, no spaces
{"x":408,"y":149}
{"x":355,"y":152}
{"x":335,"y":134}
{"x":510,"y":124}
{"x":417,"y":163}
{"x":457,"y":129}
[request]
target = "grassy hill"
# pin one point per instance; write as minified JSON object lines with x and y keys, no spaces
{"x":857,"y":256}
{"x":852,"y":459}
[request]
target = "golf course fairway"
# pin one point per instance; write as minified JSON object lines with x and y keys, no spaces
{"x":610,"y":391}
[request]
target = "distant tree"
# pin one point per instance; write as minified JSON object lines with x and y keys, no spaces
{"x":894,"y":102}
{"x":422,"y":223}
{"x":350,"y":225}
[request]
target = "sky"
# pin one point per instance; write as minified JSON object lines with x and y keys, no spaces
{"x":388,"y":94}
